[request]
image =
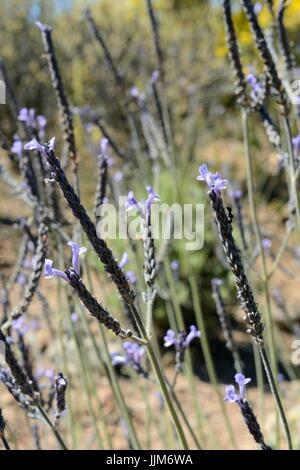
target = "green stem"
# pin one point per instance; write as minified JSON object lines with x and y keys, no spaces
{"x":113,"y":378}
{"x":160,"y":376}
{"x":53,"y":429}
{"x":180,"y":326}
{"x":208,"y":356}
{"x":271,"y":381}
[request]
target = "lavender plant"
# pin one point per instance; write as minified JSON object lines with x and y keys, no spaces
{"x":245,"y":408}
{"x":253,"y":317}
{"x":150,"y":121}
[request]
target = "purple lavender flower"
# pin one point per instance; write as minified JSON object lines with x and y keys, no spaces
{"x":183,"y":340}
{"x":132,"y":357}
{"x":117,"y":359}
{"x":35,"y":145}
{"x":34,"y":325}
{"x":118,"y":176}
{"x":154,"y":76}
{"x":257,"y":8}
{"x":61,"y":381}
{"x":20,"y":326}
{"x":257,"y":90}
{"x":42,"y":26}
{"x":217,"y":282}
{"x":134,"y":352}
{"x":131,"y":277}
{"x":231,"y":396}
{"x":21,"y":279}
{"x":132,"y":203}
{"x":280,"y":377}
{"x":103,"y":145}
{"x":129,"y":274}
{"x":266,"y":243}
{"x":41,"y":122}
{"x":213,"y":180}
{"x":142,"y":207}
{"x":27,"y":263}
{"x":194,"y":333}
{"x":296,"y":145}
{"x":74,"y":317}
{"x":170,"y":339}
{"x":45,"y":372}
{"x":135,"y":92}
{"x":236,"y":194}
{"x":17,"y":147}
{"x":76,"y":252}
{"x":51,"y":272}
{"x":152,"y":197}
{"x":124,"y":260}
{"x":27,"y":116}
{"x":175,"y":265}
{"x":241,"y":380}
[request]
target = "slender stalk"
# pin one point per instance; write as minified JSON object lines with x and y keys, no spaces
{"x":280,"y":252}
{"x":118,"y":393}
{"x":180,"y":326}
{"x":160,"y":376}
{"x":5,"y":443}
{"x":208,"y":356}
{"x":269,"y":372}
{"x":292,"y":168}
{"x":53,"y":429}
{"x":114,"y":380}
{"x":271,"y":381}
{"x":260,"y":380}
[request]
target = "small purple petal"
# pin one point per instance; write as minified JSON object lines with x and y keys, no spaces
{"x":132,"y":202}
{"x":213,"y":180}
{"x":152,"y":197}
{"x":17,"y":147}
{"x":266,"y":243}
{"x":104,"y":144}
{"x":76,"y":252}
{"x":194,"y":333}
{"x":118,"y":176}
{"x":131,"y":277}
{"x":51,"y":272}
{"x":241,"y":380}
{"x":35,"y":145}
{"x":20,"y":326}
{"x":170,"y":339}
{"x":43,"y":27}
{"x":74,"y":317}
{"x":42,"y":121}
{"x":124,"y":260}
{"x":296,"y":145}
{"x":134,"y":91}
{"x":257,"y":8}
{"x":117,"y":359}
{"x":154,"y":76}
{"x":133,"y":352}
{"x":217,"y":282}
{"x":175,"y":264}
{"x":231,"y":396}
